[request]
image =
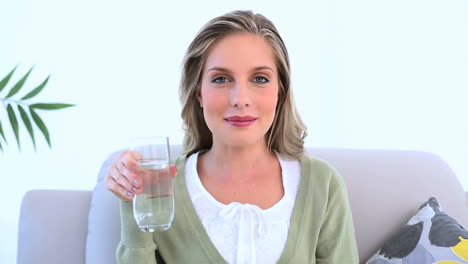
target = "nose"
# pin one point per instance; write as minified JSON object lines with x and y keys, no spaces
{"x":240,"y":95}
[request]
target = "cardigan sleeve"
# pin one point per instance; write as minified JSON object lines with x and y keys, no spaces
{"x":337,"y":242}
{"x":135,"y":246}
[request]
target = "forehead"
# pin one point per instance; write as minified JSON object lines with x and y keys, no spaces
{"x":240,"y":50}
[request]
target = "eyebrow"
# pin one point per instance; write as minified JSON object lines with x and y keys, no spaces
{"x":229,"y":71}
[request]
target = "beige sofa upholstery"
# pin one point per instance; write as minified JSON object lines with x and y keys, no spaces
{"x":386,"y":187}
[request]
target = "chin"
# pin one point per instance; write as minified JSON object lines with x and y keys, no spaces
{"x":242,"y":140}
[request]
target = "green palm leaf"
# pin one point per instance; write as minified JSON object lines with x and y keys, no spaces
{"x":40,"y":124}
{"x":1,"y":132}
{"x":5,"y":80}
{"x":14,"y":123}
{"x":23,"y":107}
{"x":37,"y":90}
{"x":19,"y":84}
{"x":27,"y":123}
{"x":52,"y":106}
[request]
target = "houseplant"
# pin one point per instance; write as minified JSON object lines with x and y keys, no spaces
{"x":23,"y":109}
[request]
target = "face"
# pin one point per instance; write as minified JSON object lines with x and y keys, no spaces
{"x":239,"y":90}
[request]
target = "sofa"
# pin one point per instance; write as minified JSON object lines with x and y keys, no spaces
{"x":385,"y":188}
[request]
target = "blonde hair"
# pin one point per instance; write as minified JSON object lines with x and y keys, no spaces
{"x":286,"y":134}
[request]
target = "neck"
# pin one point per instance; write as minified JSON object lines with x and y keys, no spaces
{"x":237,"y":164}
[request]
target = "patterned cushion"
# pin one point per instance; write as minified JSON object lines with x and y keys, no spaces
{"x":431,"y":236}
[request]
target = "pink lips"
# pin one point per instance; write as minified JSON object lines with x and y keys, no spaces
{"x":240,"y":121}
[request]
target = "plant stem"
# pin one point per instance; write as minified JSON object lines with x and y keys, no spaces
{"x":7,"y":100}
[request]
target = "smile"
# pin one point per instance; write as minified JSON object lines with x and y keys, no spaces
{"x":241,"y":121}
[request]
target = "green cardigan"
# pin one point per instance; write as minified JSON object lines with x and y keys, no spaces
{"x":321,"y":229}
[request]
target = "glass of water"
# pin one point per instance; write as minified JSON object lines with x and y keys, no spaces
{"x":153,"y":209}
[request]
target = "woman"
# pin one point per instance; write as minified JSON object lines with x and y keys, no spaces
{"x":245,"y":192}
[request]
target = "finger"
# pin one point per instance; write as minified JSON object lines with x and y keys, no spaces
{"x":129,"y":159}
{"x":130,"y":174}
{"x":131,"y":168}
{"x":125,"y":172}
{"x":117,"y":189}
{"x":122,"y":179}
{"x":156,"y":176}
{"x":173,"y":171}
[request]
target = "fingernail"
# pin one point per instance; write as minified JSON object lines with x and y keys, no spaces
{"x":136,"y":182}
{"x":134,"y":189}
{"x":130,"y":194}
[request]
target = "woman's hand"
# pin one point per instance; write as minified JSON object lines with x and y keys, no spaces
{"x":125,"y":176}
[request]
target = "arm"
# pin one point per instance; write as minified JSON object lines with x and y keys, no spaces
{"x":337,"y":243}
{"x":135,"y":246}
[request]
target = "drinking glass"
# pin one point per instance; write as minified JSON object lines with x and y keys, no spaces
{"x":153,"y":209}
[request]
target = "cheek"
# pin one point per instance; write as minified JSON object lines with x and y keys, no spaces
{"x":269,"y":103}
{"x":212,"y":101}
{"x":269,"y":108}
{"x":214,"y":106}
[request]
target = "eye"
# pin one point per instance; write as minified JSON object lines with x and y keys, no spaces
{"x":261,"y":79}
{"x":220,"y":80}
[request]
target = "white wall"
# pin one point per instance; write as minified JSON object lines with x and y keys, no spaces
{"x":366,"y":74}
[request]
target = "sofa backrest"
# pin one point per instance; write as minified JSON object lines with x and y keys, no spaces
{"x":385,"y":187}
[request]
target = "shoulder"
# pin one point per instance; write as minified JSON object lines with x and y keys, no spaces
{"x":318,"y":174}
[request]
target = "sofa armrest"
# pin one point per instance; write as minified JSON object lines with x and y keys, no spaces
{"x":53,"y":226}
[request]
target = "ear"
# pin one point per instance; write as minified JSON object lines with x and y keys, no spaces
{"x":199,"y":97}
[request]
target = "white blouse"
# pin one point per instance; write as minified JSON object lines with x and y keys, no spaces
{"x":244,"y":233}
